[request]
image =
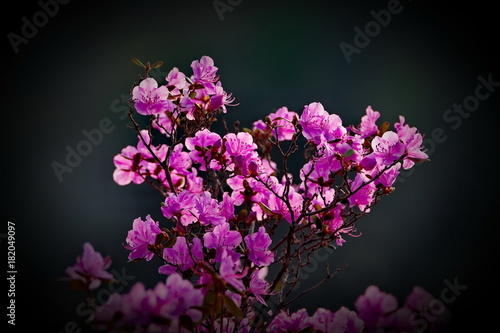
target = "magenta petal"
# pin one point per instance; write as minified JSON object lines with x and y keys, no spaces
{"x":369,"y":162}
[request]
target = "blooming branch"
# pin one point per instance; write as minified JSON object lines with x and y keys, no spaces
{"x":223,"y":199}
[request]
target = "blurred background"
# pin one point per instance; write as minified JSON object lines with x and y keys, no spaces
{"x":72,"y":73}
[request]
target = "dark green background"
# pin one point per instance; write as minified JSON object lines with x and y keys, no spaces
{"x":439,"y":224}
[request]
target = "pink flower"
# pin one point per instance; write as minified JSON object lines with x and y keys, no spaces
{"x":130,"y":167}
{"x":151,"y":99}
{"x":279,"y":207}
{"x":321,"y":197}
{"x":152,"y":310}
{"x":203,"y":139}
{"x":347,"y":321}
{"x":239,"y":144}
{"x":181,"y":255}
{"x":145,"y":147}
{"x":316,"y":122}
{"x":322,"y":320}
{"x":230,"y":270}
{"x":143,"y":234}
{"x":285,"y":322}
{"x":194,"y":183}
{"x":368,"y":126}
{"x":419,"y":299}
{"x":131,"y":307}
{"x":135,"y":164}
{"x":202,"y":145}
{"x":259,"y":125}
{"x":258,"y":285}
{"x":227,"y":206}
{"x":105,"y":312}
{"x":241,"y":150}
{"x":164,"y":124}
{"x":247,"y":163}
{"x":388,"y":177}
{"x":180,"y":168}
{"x":190,"y":102}
{"x":331,"y":156}
{"x":180,"y":296}
{"x":387,"y":148}
{"x":206,"y":97}
{"x":281,"y":120}
{"x":180,"y":206}
{"x":204,"y":70}
{"x":373,"y":305}
{"x":180,"y":161}
{"x":362,"y":193}
{"x":412,"y":141}
{"x":90,"y":268}
{"x":248,"y":189}
{"x":208,"y":210}
{"x":176,"y":81}
{"x":418,"y":307}
{"x":421,"y":302}
{"x":221,"y":97}
{"x":221,"y":238}
{"x":310,"y":176}
{"x":334,"y":224}
{"x":258,"y":245}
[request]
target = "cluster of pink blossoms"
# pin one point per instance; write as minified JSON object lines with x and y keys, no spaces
{"x":174,"y":306}
{"x":225,"y":198}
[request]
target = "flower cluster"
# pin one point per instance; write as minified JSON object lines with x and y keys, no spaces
{"x":375,"y":311}
{"x":225,"y":198}
{"x":177,"y":305}
{"x":168,"y":305}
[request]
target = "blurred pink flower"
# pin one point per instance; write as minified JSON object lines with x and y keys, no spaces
{"x":90,"y":267}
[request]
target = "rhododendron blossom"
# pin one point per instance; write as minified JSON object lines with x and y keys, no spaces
{"x":142,"y":235}
{"x":204,"y":70}
{"x":181,"y":206}
{"x":412,"y":141}
{"x":141,"y":307}
{"x":238,"y":223}
{"x":374,"y":305}
{"x":316,"y":123}
{"x":221,"y":238}
{"x":129,"y":166}
{"x":151,"y":99}
{"x":181,"y":255}
{"x":90,"y":267}
{"x":368,"y":125}
{"x":258,"y":244}
{"x":282,"y":123}
{"x":387,"y":148}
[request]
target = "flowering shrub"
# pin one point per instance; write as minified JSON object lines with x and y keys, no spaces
{"x":239,"y":226}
